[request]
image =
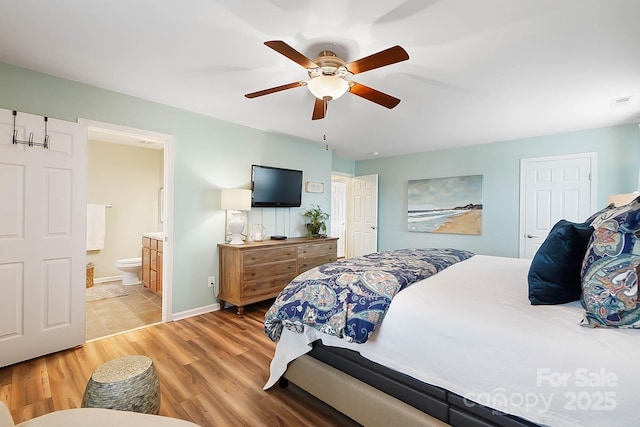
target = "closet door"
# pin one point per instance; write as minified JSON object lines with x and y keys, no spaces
{"x":553,"y":188}
{"x":42,"y":237}
{"x":362,"y":230}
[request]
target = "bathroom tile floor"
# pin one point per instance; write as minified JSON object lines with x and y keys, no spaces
{"x":110,"y":316}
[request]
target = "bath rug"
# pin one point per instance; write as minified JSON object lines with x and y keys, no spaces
{"x":98,"y":292}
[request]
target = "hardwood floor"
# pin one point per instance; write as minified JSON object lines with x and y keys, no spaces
{"x":211,"y":368}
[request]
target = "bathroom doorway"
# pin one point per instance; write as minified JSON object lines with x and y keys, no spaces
{"x":129,"y":178}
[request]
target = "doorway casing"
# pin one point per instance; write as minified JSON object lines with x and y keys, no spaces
{"x":167,"y":225}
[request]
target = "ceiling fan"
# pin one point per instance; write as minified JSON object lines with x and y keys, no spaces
{"x":329,"y":76}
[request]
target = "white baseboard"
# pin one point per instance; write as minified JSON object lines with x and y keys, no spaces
{"x":195,"y":311}
{"x":176,"y":316}
{"x":107,"y":279}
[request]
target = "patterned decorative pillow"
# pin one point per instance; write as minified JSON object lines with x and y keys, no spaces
{"x":611,"y":211}
{"x":600,"y":213}
{"x":610,"y":269}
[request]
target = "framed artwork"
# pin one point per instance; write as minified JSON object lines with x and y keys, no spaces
{"x":314,"y":187}
{"x":445,"y":205}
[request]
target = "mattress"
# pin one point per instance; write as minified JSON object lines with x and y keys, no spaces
{"x":470,"y":329}
{"x":436,"y":402}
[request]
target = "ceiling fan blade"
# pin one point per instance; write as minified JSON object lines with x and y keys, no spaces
{"x":373,"y":95}
{"x":320,"y":109}
{"x":386,"y":57}
{"x":275,"y":89}
{"x":286,"y":50}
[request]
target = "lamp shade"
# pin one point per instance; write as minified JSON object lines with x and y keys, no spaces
{"x":328,"y":86}
{"x":235,"y":199}
{"x":622,"y":199}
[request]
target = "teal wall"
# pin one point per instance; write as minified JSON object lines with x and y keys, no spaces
{"x":344,"y":166}
{"x":209,"y":155}
{"x":618,"y":150}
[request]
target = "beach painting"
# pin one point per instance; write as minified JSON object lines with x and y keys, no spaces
{"x":445,"y":205}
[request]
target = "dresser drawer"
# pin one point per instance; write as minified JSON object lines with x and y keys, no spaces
{"x":269,"y":270}
{"x":262,"y":256}
{"x":316,"y":249}
{"x":309,"y":262}
{"x":314,"y":254}
{"x":262,"y":289}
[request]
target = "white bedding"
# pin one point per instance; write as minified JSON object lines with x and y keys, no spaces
{"x":477,"y":335}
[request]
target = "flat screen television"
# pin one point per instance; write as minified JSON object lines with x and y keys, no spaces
{"x":273,"y":187}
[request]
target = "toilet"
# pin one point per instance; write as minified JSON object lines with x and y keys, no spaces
{"x":130,"y":268}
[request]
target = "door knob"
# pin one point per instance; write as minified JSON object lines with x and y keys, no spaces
{"x":373,"y":227}
{"x":529,"y":236}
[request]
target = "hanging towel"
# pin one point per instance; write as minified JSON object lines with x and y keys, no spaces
{"x":96,"y":222}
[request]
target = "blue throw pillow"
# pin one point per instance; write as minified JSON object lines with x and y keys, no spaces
{"x":554,"y":275}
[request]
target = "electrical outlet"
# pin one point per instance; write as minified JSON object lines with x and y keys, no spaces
{"x":211,"y":281}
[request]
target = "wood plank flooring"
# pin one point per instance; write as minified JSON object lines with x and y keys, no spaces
{"x":211,"y":368}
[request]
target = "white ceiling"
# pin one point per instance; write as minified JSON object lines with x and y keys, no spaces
{"x":479,"y":70}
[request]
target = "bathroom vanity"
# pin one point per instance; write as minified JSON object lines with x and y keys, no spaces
{"x":151,"y":275}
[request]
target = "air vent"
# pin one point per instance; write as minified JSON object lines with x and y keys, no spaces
{"x":619,"y":102}
{"x":144,"y":142}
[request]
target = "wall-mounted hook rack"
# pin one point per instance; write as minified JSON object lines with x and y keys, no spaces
{"x":30,"y":143}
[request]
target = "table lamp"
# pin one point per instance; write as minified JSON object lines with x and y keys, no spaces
{"x":236,"y":202}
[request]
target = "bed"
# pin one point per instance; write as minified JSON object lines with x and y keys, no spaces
{"x":466,"y":347}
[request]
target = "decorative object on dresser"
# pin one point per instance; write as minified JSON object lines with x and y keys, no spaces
{"x":152,"y":264}
{"x":257,"y":233}
{"x":314,"y":219}
{"x":236,"y":201}
{"x":258,"y":271}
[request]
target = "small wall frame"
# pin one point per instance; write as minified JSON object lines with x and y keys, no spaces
{"x":314,"y":187}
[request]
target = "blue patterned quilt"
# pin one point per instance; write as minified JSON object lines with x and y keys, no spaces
{"x":349,"y":298}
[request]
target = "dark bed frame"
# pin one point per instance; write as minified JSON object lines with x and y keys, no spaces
{"x":439,"y":403}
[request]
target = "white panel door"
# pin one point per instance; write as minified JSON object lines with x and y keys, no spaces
{"x":42,"y":237}
{"x":338,"y":214}
{"x":363,"y":215}
{"x":553,"y":189}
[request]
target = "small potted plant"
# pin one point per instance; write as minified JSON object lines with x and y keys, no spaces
{"x":315,"y":221}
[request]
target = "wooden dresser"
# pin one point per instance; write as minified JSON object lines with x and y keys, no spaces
{"x":152,"y":264}
{"x":257,"y":271}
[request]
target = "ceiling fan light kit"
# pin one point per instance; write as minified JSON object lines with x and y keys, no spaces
{"x":328,"y":76}
{"x":331,"y":87}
